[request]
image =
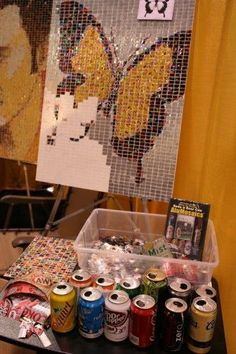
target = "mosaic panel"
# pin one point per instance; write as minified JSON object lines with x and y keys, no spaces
{"x":114,"y":97}
{"x":24,"y":31}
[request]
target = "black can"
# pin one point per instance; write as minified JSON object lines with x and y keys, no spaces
{"x":181,"y":288}
{"x":205,"y":291}
{"x":173,"y":323}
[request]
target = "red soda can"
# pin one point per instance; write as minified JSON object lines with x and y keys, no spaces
{"x":142,"y":321}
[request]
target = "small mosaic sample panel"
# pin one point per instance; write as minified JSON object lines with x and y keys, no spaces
{"x":114,"y":97}
{"x":45,"y":258}
{"x":24,"y":32}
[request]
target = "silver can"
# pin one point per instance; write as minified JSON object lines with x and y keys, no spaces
{"x":205,"y":291}
{"x":116,"y":324}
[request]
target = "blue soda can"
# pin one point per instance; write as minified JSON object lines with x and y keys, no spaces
{"x":91,"y":312}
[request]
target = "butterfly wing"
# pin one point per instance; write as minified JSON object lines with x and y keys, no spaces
{"x":162,"y":6}
{"x":85,"y":55}
{"x":154,"y":78}
{"x":149,"y":7}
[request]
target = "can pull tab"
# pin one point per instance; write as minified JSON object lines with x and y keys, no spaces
{"x":178,"y":303}
{"x":101,"y":280}
{"x":114,"y":296}
{"x":209,"y":292}
{"x":183,"y":286}
{"x":140,"y":303}
{"x":126,"y":284}
{"x":151,"y":275}
{"x":88,"y":293}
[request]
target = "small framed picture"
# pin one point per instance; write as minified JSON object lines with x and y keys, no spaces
{"x":156,"y":10}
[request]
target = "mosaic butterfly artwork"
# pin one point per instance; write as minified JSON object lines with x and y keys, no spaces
{"x":113,"y":102}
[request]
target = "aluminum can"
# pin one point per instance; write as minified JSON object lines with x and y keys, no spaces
{"x":63,"y":307}
{"x":142,"y":321}
{"x":116,"y":323}
{"x":173,"y":323}
{"x":130,"y":285}
{"x":201,"y":325}
{"x":105,"y":284}
{"x":205,"y":291}
{"x":181,"y":288}
{"x":81,"y":279}
{"x":91,"y":312}
{"x":154,"y":281}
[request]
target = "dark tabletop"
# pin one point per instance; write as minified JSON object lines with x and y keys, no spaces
{"x":75,"y":344}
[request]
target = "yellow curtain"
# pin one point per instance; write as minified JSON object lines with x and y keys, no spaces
{"x":206,"y":169}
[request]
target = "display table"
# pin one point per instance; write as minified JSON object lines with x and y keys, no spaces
{"x":75,"y":344}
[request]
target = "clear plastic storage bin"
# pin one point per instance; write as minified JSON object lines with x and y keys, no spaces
{"x":135,"y":225}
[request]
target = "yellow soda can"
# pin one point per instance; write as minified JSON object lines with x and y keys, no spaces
{"x":201,"y":325}
{"x":63,"y":307}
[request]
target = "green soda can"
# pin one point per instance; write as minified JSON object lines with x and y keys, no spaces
{"x":154,"y":281}
{"x":130,"y":285}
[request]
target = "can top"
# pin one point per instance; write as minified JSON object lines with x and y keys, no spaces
{"x":62,"y":288}
{"x":90,"y":294}
{"x":104,"y":281}
{"x":155,"y":275}
{"x":129,"y":283}
{"x":180,"y":285}
{"x":205,"y":290}
{"x":204,"y":304}
{"x":144,"y":302}
{"x":118,"y":297}
{"x":176,"y":305}
{"x":81,"y":275}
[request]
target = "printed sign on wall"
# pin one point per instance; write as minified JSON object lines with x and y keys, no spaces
{"x":156,"y":9}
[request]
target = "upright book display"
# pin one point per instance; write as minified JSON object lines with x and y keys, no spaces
{"x":186,"y":227}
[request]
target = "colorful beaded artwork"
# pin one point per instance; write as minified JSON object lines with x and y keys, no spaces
{"x":113,"y":98}
{"x":46,"y":260}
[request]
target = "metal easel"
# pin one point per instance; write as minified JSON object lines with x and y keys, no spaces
{"x":13,"y":199}
{"x":52,"y":222}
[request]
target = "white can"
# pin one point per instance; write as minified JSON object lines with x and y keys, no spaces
{"x":116,"y":324}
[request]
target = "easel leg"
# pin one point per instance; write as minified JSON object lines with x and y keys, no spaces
{"x":54,"y":210}
{"x":28,"y":194}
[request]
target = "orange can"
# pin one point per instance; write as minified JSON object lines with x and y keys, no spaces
{"x":104,"y":283}
{"x":81,"y":279}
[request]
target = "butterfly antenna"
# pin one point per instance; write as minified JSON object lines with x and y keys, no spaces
{"x":135,"y":51}
{"x":113,"y":49}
